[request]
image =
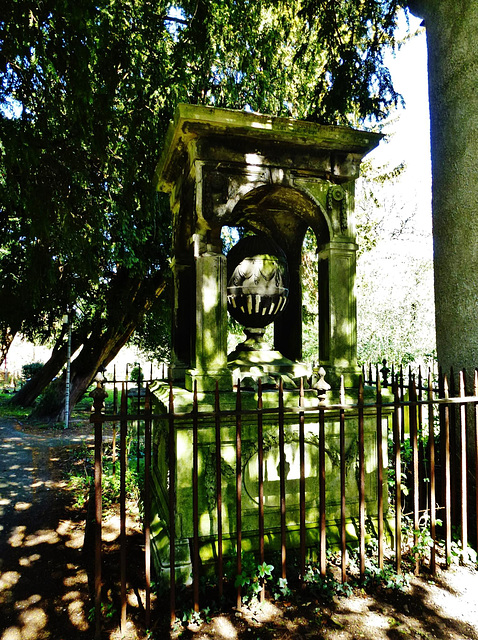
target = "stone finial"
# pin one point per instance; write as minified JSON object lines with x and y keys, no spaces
{"x":319,"y":383}
{"x":384,"y":371}
{"x":98,"y":394}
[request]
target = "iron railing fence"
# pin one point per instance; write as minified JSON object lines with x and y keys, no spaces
{"x":432,"y":446}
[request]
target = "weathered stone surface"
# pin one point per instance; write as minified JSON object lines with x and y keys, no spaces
{"x":244,"y":132}
{"x":275,"y":176}
{"x":249,"y":465}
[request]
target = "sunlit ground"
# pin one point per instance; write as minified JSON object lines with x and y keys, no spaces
{"x":43,"y":578}
{"x":42,"y":584}
{"x":25,"y":589}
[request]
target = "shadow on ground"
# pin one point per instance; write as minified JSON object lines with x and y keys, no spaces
{"x":382,"y":616}
{"x":43,"y":588}
{"x":44,"y":585}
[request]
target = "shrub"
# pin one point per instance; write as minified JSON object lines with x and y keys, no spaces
{"x":29,"y":370}
{"x":136,"y":375}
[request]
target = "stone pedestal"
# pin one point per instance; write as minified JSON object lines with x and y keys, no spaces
{"x":250,"y":486}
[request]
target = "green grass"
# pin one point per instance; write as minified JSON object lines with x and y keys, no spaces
{"x":83,"y":406}
{"x":8,"y":410}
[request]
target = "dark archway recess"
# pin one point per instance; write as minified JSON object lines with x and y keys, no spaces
{"x":285,"y":214}
{"x":276,"y":176}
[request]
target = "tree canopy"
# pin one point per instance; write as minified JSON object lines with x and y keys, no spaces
{"x":87,"y":91}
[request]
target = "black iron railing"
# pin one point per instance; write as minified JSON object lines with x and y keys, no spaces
{"x":432,"y":446}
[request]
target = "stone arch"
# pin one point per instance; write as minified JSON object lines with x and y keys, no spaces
{"x":285,"y":213}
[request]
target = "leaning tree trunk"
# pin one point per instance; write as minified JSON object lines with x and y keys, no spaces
{"x":105,"y":342}
{"x":26,"y":396}
{"x":7,"y":334}
{"x":96,"y":353}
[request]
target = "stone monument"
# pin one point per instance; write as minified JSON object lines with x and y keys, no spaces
{"x":276,"y":178}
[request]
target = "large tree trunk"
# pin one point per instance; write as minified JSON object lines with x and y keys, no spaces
{"x":129,"y":299}
{"x":26,"y":396}
{"x":8,"y":334}
{"x":452,"y":39}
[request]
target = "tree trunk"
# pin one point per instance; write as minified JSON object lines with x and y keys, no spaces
{"x":26,"y":396}
{"x":452,"y":40}
{"x":8,"y":334}
{"x":132,"y":298}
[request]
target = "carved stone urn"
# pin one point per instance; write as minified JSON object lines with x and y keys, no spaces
{"x":257,"y":286}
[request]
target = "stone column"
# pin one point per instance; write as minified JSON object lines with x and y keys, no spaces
{"x":338,"y":312}
{"x":182,"y":320}
{"x":211,"y":325}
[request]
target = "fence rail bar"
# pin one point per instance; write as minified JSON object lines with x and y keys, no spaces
{"x":379,"y":473}
{"x":414,"y":438}
{"x":463,"y":472}
{"x":302,"y":482}
{"x":123,"y":465}
{"x":402,"y":408}
{"x":323,"y":534}
{"x":138,"y":439}
{"x":398,"y":481}
{"x":115,"y":410}
{"x":454,"y":462}
{"x":172,"y":506}
{"x":447,"y":478}
{"x":308,"y":411}
{"x":260,"y":478}
{"x":220,"y":566}
{"x":431,"y":453}
{"x":239,"y":493}
{"x":423,"y":472}
{"x":283,"y":531}
{"x":147,"y":508}
{"x":361,"y":437}
{"x":195,"y":483}
{"x":475,"y":391}
{"x":98,"y":519}
{"x":343,"y":478}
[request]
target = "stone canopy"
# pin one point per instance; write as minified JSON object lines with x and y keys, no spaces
{"x":272,"y":175}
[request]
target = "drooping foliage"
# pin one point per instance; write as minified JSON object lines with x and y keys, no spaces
{"x":76,"y":200}
{"x":86,"y":93}
{"x":395,"y":305}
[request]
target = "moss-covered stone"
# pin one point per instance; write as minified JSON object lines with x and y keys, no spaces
{"x":207,"y":488}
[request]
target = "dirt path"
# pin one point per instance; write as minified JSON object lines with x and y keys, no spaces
{"x":43,"y":589}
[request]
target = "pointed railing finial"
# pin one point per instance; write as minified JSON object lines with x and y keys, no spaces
{"x":321,"y":386}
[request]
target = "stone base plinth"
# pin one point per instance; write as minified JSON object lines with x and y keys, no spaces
{"x":206,"y":382}
{"x":208,"y":520}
